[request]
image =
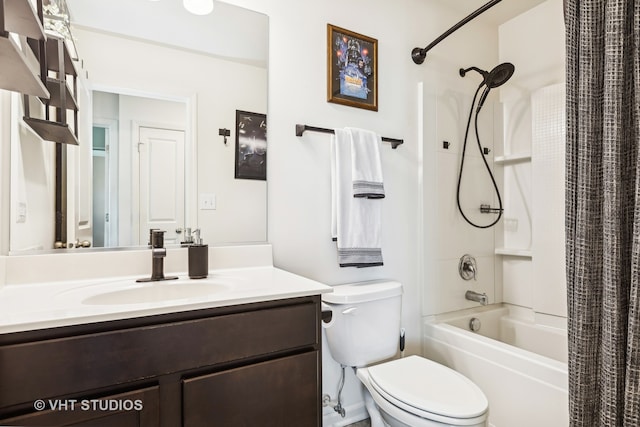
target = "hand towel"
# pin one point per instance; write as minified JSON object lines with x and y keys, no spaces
{"x":366,"y":165}
{"x":356,"y":220}
{"x":334,"y":193}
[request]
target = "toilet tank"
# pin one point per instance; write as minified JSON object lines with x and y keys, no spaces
{"x":365,"y":323}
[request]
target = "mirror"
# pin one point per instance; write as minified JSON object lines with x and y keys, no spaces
{"x":157,"y":85}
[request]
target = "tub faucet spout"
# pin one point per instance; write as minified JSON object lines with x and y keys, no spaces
{"x":482,"y":298}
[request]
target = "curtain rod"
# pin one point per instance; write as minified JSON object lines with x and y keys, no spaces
{"x":300,"y":129}
{"x":418,"y":55}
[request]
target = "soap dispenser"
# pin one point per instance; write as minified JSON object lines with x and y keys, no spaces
{"x":198,"y":258}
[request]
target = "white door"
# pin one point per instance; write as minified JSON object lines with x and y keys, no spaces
{"x":161,"y":182}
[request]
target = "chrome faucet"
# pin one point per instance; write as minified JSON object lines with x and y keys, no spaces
{"x":158,"y":252}
{"x":482,"y":298}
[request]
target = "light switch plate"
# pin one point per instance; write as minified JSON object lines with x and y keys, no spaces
{"x":207,"y":201}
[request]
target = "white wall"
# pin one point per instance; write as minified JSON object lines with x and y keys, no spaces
{"x":446,"y":117}
{"x":5,"y":174}
{"x":299,"y":208}
{"x":32,"y":183}
{"x":534,"y":42}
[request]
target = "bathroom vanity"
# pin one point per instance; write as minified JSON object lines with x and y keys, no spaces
{"x":254,"y":364}
{"x":245,"y":357}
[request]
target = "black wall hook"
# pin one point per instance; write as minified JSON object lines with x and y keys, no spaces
{"x":224,"y":132}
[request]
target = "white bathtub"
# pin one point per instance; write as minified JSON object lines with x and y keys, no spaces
{"x":518,"y":363}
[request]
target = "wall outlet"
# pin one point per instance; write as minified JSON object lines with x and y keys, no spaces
{"x":21,"y":214}
{"x":207,"y":201}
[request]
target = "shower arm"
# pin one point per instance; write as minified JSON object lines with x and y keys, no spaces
{"x":418,"y":54}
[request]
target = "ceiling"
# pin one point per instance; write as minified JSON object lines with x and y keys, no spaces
{"x":496,"y":15}
{"x":229,"y":31}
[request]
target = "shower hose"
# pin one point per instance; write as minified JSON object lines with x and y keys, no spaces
{"x":464,"y":149}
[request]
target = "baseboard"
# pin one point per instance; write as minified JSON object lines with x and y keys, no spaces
{"x":354,"y":413}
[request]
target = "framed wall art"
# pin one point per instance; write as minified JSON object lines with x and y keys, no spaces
{"x":352,"y":68}
{"x":251,"y":145}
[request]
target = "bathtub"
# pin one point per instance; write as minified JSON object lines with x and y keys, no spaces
{"x":520,"y":364}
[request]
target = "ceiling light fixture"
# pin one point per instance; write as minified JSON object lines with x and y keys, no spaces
{"x":198,"y":7}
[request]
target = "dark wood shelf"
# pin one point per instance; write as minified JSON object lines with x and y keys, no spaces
{"x":62,"y":97}
{"x":52,"y":131}
{"x":52,"y":56}
{"x":15,"y":72}
{"x":21,"y":18}
{"x":53,"y":86}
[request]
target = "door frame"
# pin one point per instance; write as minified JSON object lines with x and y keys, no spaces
{"x":112,"y":153}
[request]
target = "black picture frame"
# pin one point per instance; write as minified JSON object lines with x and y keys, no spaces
{"x":251,"y":145}
{"x":352,"y":69}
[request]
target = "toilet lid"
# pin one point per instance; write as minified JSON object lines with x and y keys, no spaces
{"x":428,"y":386}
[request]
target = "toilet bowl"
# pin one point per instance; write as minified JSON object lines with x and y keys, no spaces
{"x":413,"y":391}
{"x":418,"y":392}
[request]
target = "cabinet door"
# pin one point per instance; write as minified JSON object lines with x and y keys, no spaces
{"x":281,"y":392}
{"x":139,"y":408}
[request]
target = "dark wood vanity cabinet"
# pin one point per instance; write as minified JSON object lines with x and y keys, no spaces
{"x":248,"y":365}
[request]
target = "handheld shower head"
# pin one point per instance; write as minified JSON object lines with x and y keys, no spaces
{"x":499,"y":75}
{"x":483,"y":98}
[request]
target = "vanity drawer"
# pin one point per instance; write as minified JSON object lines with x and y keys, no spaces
{"x":61,"y":366}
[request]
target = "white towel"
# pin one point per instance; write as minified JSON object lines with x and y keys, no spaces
{"x":355,"y":221}
{"x":366,"y":169}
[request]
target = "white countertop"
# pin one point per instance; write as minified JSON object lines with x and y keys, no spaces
{"x":46,"y":305}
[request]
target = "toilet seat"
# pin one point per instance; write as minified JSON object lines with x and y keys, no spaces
{"x":428,"y":390}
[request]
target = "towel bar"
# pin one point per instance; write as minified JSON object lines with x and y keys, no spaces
{"x":300,"y":129}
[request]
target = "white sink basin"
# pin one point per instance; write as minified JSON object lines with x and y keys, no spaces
{"x":130,"y":292}
{"x":150,"y":292}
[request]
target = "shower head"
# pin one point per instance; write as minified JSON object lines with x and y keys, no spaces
{"x":494,"y":78}
{"x":499,"y":75}
{"x":491,"y":79}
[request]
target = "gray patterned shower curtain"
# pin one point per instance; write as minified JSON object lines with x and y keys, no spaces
{"x":603,"y":211}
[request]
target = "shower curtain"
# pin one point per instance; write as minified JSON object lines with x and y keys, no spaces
{"x":603,"y":211}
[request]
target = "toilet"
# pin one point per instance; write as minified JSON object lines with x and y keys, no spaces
{"x":364,"y":331}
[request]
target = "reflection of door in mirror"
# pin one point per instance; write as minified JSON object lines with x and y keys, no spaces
{"x":161,"y":182}
{"x":139,"y":171}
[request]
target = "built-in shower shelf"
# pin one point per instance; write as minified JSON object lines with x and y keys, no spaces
{"x":524,"y":253}
{"x":512,"y":158}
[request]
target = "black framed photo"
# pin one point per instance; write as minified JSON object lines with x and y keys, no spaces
{"x":251,"y":145}
{"x":352,"y":68}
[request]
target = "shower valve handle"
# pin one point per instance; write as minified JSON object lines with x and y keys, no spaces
{"x":467,"y":267}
